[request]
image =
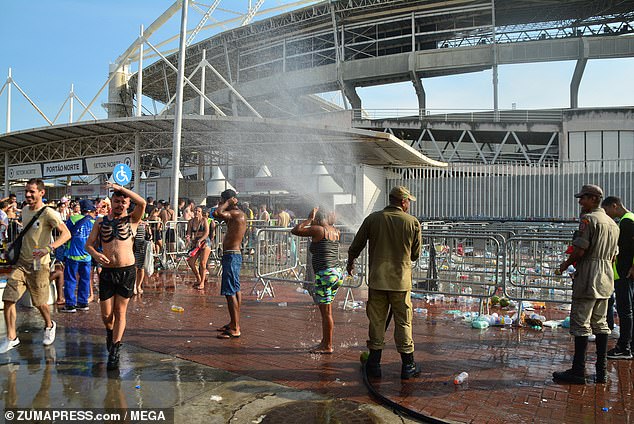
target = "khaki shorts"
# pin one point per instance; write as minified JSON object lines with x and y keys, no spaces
{"x":22,"y":278}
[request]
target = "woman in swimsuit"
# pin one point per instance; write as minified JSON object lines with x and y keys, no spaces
{"x":324,"y":247}
{"x":200,"y":246}
{"x":156,"y":226}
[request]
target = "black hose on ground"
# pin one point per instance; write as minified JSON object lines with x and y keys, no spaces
{"x":390,"y":403}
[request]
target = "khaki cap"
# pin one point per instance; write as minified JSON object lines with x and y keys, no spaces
{"x":591,"y":189}
{"x":402,"y":193}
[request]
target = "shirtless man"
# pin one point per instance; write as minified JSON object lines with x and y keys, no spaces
{"x":229,"y":212}
{"x":115,"y":234}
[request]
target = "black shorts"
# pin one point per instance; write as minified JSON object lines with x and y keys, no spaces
{"x":117,"y":281}
{"x":170,"y":235}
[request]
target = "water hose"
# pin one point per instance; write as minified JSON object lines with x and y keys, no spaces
{"x":388,"y":402}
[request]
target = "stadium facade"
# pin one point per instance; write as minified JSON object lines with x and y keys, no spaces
{"x":252,"y":104}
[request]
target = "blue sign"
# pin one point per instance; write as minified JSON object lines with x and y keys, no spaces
{"x":122,"y":174}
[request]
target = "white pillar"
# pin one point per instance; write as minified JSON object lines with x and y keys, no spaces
{"x":137,"y":162}
{"x":6,"y":174}
{"x":9,"y":82}
{"x":139,"y":80}
{"x":71,"y":103}
{"x":202,"y":82}
{"x":178,"y":115}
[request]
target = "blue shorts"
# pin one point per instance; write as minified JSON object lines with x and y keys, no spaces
{"x":231,"y":263}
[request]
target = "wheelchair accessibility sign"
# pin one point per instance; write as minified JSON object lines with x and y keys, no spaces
{"x":122,"y":174}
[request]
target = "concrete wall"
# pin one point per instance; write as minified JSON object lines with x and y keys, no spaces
{"x":589,"y":123}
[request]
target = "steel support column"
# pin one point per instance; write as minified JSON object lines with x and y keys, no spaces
{"x":137,"y":162}
{"x":6,"y":174}
{"x":178,"y":115}
{"x":139,"y":81}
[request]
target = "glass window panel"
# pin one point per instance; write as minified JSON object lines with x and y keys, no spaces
{"x":576,"y":149}
{"x":593,"y":145}
{"x":626,"y":139}
{"x":610,"y":144}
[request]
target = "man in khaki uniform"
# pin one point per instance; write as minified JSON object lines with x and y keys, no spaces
{"x":394,"y":242}
{"x":594,"y":248}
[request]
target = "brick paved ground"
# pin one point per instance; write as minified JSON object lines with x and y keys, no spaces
{"x":509,"y":369}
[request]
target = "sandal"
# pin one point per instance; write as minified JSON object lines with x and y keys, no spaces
{"x":228,"y":335}
{"x":223,"y":329}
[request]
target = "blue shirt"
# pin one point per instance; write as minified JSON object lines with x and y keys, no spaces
{"x":80,"y":227}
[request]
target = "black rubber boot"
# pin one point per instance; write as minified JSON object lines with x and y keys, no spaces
{"x":602,"y":358}
{"x":108,"y":340}
{"x":373,"y":365}
{"x":113,"y":357}
{"x":409,"y":368}
{"x":577,"y":374}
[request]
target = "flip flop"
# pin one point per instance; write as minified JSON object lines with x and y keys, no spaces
{"x":199,"y":287}
{"x":223,"y":329}
{"x":322,"y":352}
{"x":60,"y":302}
{"x":227,"y":335}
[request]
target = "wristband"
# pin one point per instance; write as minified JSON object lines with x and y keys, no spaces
{"x":49,"y":248}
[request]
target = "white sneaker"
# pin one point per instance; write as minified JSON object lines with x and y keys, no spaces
{"x":49,"y":335}
{"x":7,"y":344}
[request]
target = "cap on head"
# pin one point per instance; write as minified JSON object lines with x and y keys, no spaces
{"x":86,"y":205}
{"x":401,"y":192}
{"x":590,"y":189}
{"x":228,"y":194}
{"x":63,"y":200}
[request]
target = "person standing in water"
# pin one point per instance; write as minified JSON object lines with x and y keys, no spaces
{"x":229,"y":212}
{"x":115,"y":234}
{"x":324,"y":248}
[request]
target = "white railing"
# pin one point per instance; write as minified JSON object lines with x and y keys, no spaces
{"x":513,"y":191}
{"x":462,"y":115}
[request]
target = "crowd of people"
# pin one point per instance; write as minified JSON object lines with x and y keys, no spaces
{"x":111,"y":239}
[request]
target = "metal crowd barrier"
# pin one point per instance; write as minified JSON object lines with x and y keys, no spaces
{"x":283,"y":257}
{"x":465,"y":264}
{"x":531,"y":262}
{"x":174,"y":243}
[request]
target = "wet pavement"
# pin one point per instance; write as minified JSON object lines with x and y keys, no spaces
{"x":174,"y":360}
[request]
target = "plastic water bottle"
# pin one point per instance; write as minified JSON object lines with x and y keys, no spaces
{"x":176,"y":308}
{"x":460,"y":378}
{"x":37,"y":261}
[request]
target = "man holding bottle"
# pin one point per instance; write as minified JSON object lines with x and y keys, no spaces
{"x":32,"y":270}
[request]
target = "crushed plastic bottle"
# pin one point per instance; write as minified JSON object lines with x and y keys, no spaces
{"x":176,"y":308}
{"x":460,"y":378}
{"x":421,"y":311}
{"x":283,"y":304}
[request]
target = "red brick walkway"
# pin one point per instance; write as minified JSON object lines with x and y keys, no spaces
{"x":509,"y":369}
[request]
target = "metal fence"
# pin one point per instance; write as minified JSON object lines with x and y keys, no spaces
{"x":466,"y":263}
{"x":512,"y":191}
{"x":283,"y":257}
{"x":530,"y":264}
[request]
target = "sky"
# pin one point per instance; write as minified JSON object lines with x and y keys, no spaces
{"x":52,"y":44}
